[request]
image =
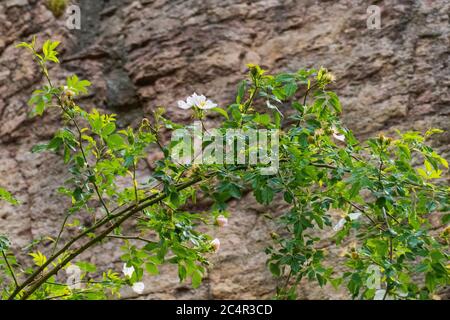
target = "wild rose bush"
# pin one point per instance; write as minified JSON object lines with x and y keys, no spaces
{"x":385,"y":201}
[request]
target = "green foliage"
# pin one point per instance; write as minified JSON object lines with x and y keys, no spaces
{"x":8,"y":197}
{"x":57,"y":7}
{"x":4,"y":243}
{"x":385,"y":204}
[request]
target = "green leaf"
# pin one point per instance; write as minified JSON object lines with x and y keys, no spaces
{"x":221,"y":111}
{"x":430,"y":281}
{"x":115,"y":141}
{"x":151,"y":268}
{"x":433,"y":131}
{"x":39,"y":148}
{"x":86,"y":266}
{"x":264,"y":195}
{"x":277,"y":118}
{"x":336,"y":283}
{"x":6,"y":196}
{"x":235,"y":112}
{"x":333,"y":100}
{"x":288,"y":197}
{"x":445,"y":218}
{"x":24,"y":45}
{"x":241,"y":91}
{"x":74,"y":84}
{"x":49,"y":50}
{"x":354,"y":284}
{"x":5,"y":244}
{"x":108,"y":129}
{"x":40,"y":99}
{"x":175,"y":198}
{"x":182,"y":273}
{"x":196,"y":279}
{"x":263,"y":119}
{"x":290,"y":89}
{"x":38,"y":258}
{"x":275,"y":269}
{"x":297,"y":106}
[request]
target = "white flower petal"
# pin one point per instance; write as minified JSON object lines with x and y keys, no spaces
{"x":339,"y":225}
{"x":379,"y":294}
{"x":128,"y":271}
{"x":337,"y":135}
{"x":200,"y":100}
{"x":354,"y":215}
{"x":183,"y":105}
{"x":209,"y":105}
{"x":138,"y":287}
{"x":190,"y":101}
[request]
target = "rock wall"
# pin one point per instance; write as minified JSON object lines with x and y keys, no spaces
{"x":142,"y":54}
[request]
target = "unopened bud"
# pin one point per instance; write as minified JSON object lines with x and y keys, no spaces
{"x":222,"y":221}
{"x":215,"y":244}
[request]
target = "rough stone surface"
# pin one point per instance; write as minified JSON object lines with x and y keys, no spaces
{"x":142,"y":54}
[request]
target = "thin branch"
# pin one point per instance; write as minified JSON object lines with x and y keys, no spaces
{"x":135,"y":184}
{"x":58,"y":296}
{"x":11,"y":270}
{"x":365,"y":214}
{"x":60,"y":233}
{"x":80,"y":140}
{"x":122,"y":217}
{"x":130,"y":238}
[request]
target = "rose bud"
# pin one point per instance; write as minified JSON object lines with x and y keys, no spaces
{"x":222,"y":221}
{"x":215,"y":244}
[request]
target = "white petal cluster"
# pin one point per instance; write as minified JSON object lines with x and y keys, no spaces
{"x":337,"y":135}
{"x":198,"y":101}
{"x":138,"y":287}
{"x":128,"y":271}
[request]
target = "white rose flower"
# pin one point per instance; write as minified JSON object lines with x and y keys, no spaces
{"x":198,"y":101}
{"x":128,"y":271}
{"x":337,"y":135}
{"x":138,"y":287}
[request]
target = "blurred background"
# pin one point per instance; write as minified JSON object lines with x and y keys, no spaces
{"x":149,"y":53}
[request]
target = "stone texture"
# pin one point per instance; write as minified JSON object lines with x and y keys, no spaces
{"x":142,"y":54}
